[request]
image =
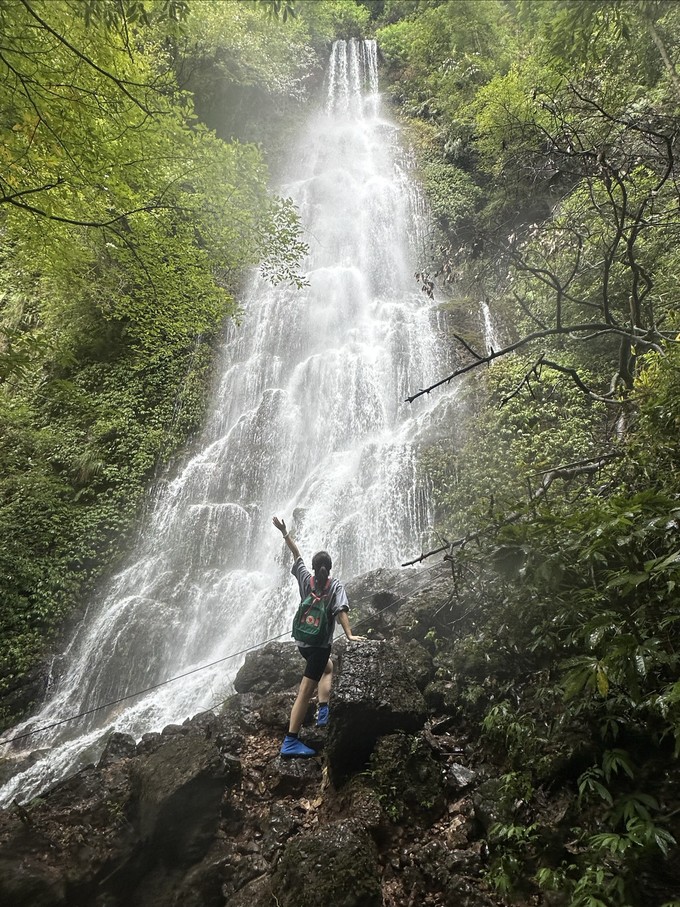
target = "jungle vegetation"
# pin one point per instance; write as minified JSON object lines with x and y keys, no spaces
{"x":126,"y":224}
{"x":547,"y":136}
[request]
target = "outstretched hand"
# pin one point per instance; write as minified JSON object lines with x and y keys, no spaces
{"x":280,"y":525}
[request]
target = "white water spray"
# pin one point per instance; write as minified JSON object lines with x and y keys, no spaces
{"x":308,"y":423}
{"x":491,"y":339}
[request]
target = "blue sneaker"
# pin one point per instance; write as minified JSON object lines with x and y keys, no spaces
{"x":322,"y":715}
{"x":292,"y":747}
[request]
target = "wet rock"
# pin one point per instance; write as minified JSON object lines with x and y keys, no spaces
{"x":202,"y":885}
{"x":257,"y":893}
{"x":435,"y":867}
{"x":23,"y":692}
{"x":364,"y":805}
{"x":275,"y":708}
{"x":274,"y":668}
{"x":430,"y":609}
{"x":203,"y":723}
{"x":461,"y":827}
{"x":279,"y":825}
{"x":30,"y":882}
{"x":118,"y":746}
{"x":239,"y":715}
{"x":179,"y":791}
{"x":375,"y":695}
{"x":149,"y":742}
{"x":291,"y":776}
{"x":407,"y":778}
{"x":335,"y":864}
{"x":172,"y":730}
{"x":458,"y":777}
{"x":489,"y":804}
{"x":63,"y":841}
{"x":375,"y":598}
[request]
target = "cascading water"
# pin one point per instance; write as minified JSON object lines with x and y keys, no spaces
{"x":491,"y":338}
{"x":308,"y":423}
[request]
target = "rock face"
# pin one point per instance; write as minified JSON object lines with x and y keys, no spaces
{"x":338,"y":864}
{"x":207,"y":814}
{"x":376,"y":694}
{"x":275,"y":667}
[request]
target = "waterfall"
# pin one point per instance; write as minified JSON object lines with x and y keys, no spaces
{"x":491,"y":338}
{"x":308,"y":423}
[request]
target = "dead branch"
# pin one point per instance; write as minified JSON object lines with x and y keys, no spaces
{"x":635,"y":334}
{"x":569,"y":471}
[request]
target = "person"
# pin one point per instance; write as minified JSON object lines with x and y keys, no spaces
{"x":319,"y":667}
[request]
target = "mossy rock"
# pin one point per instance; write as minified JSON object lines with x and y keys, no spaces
{"x":407,"y":778}
{"x":336,"y":864}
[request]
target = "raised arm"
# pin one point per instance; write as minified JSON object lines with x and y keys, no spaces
{"x":281,"y":526}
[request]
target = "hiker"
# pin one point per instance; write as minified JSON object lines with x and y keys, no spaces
{"x":319,"y":669}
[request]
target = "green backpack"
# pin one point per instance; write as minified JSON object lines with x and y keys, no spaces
{"x":310,"y":624}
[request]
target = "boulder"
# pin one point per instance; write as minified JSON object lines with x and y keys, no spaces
{"x":118,"y":746}
{"x":292,"y":776}
{"x":458,"y":777}
{"x":379,"y":597}
{"x":374,"y":599}
{"x":336,"y":864}
{"x":178,"y":795}
{"x":142,"y":815}
{"x":274,"y":668}
{"x":429,"y":611}
{"x":407,"y":778}
{"x":375,"y":694}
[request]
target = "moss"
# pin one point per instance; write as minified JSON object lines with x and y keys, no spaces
{"x":406,"y":778}
{"x":335,"y":864}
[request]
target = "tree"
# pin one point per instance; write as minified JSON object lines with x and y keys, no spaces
{"x":125,"y":226}
{"x":594,"y":270}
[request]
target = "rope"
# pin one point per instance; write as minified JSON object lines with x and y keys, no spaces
{"x":161,"y":683}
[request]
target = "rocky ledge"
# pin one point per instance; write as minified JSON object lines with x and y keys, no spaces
{"x":207,"y":812}
{"x":395,"y":811}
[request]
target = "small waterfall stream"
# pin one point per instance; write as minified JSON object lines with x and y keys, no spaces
{"x":492,"y":339}
{"x":308,"y":422}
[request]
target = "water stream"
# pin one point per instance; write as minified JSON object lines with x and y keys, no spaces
{"x":308,"y":422}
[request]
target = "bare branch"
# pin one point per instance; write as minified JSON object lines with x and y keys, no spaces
{"x":418,"y":560}
{"x":636,"y":335}
{"x":467,"y":346}
{"x":570,"y":471}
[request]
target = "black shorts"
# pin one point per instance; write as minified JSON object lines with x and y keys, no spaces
{"x":317,"y":659}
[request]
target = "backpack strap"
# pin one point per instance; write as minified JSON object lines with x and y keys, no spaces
{"x":328,"y":591}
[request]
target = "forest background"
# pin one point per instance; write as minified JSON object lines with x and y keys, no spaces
{"x":138,"y":143}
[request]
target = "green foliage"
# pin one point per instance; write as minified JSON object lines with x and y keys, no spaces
{"x":405,"y":777}
{"x":126,"y":226}
{"x":561,"y":120}
{"x":559,"y":425}
{"x":452,"y":194}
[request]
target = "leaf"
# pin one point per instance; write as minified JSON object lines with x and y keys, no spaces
{"x":602,"y":682}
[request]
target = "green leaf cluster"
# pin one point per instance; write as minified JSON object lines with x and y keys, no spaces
{"x":126,"y":226}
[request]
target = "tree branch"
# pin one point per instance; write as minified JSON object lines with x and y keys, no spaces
{"x":120,"y":83}
{"x":569,"y":471}
{"x":11,"y":200}
{"x":636,"y":335}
